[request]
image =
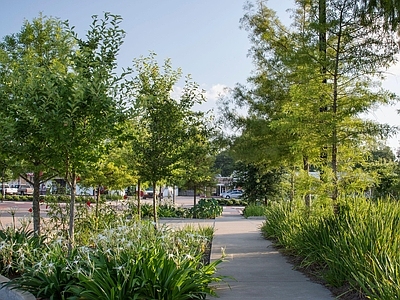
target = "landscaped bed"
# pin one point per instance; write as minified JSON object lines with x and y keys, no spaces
{"x":113,"y":257}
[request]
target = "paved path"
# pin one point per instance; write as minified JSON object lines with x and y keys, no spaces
{"x":259,"y":270}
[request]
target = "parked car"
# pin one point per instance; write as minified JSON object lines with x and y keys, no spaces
{"x":233,"y":194}
{"x":8,"y":190}
{"x":25,"y":189}
{"x":148,"y":193}
{"x":224,"y":194}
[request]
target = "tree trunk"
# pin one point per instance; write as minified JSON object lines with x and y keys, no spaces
{"x":155,"y":205}
{"x":306,"y":168}
{"x":138,"y":201}
{"x":72,"y":212}
{"x":322,"y":56}
{"x":97,"y":207}
{"x":35,"y":203}
{"x":194,"y":200}
{"x":173,"y":195}
{"x":3,"y":192}
{"x":292,"y":187}
{"x":334,"y":130}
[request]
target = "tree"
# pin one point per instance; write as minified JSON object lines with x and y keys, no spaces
{"x":224,"y":164}
{"x":161,"y":122}
{"x":112,"y":171}
{"x":84,"y":118}
{"x":382,"y":162}
{"x":258,"y":182}
{"x":389,"y":9}
{"x":32,"y":65}
{"x":62,"y":98}
{"x":196,"y":167}
{"x":288,"y":89}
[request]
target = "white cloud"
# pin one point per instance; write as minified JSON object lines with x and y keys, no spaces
{"x":216,"y":91}
{"x":211,"y":96}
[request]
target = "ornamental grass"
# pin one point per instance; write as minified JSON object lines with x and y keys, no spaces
{"x":358,"y":246}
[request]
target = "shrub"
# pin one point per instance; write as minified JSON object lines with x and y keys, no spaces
{"x":206,"y":209}
{"x":254,"y":210}
{"x":168,"y":210}
{"x":232,"y":202}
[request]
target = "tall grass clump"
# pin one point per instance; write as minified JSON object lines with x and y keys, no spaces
{"x":358,"y":246}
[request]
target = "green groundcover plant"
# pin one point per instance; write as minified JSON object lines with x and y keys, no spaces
{"x":122,"y":258}
{"x":254,"y":210}
{"x":358,"y":246}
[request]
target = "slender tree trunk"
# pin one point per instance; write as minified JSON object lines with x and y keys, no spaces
{"x":292,"y":186}
{"x":35,"y":203}
{"x":306,"y":168}
{"x":173,"y":195}
{"x":335,"y":191}
{"x":155,"y":205}
{"x":322,"y":38}
{"x":72,"y":212}
{"x":3,"y":192}
{"x":138,"y":201}
{"x":195,"y":195}
{"x":322,"y":56}
{"x":194,"y":201}
{"x":97,"y":206}
{"x":97,"y":199}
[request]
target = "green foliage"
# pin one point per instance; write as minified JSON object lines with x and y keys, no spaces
{"x":254,"y":210}
{"x":206,"y":209}
{"x":128,"y":259}
{"x":47,"y":275}
{"x":232,"y":202}
{"x":34,"y":65}
{"x":168,"y":210}
{"x":14,"y":243}
{"x":258,"y":181}
{"x":357,"y":246}
{"x":304,"y":103}
{"x":224,"y":164}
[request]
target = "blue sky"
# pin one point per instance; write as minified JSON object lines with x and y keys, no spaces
{"x":200,"y":36}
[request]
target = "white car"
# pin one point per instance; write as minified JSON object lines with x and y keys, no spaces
{"x":232,"y":194}
{"x":8,"y":190}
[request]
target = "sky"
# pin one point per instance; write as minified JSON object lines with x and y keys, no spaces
{"x":202,"y":37}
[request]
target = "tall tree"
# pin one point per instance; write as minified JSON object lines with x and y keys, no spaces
{"x":389,"y":9}
{"x":291,"y":58}
{"x":196,"y":166}
{"x":112,"y":170}
{"x":33,"y":64}
{"x":161,"y":121}
{"x":84,"y":118}
{"x":224,"y":164}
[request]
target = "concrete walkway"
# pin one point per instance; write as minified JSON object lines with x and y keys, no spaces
{"x":259,"y":271}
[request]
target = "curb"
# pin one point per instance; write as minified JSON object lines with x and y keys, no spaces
{"x":6,"y":293}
